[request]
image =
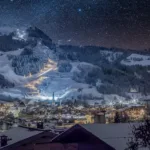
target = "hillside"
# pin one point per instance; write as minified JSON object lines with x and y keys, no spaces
{"x":34,"y":67}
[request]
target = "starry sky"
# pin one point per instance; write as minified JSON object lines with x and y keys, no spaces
{"x":110,"y":23}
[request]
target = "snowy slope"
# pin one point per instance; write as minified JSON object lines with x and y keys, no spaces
{"x":136,"y":59}
{"x":6,"y":30}
{"x":6,"y":69}
{"x":110,"y":55}
{"x":34,"y":69}
{"x":64,"y":86}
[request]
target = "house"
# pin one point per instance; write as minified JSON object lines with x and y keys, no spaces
{"x":91,"y":137}
{"x":5,"y":104}
{"x":15,"y":111}
{"x":23,"y":138}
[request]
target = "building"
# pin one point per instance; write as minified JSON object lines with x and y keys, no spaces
{"x":15,"y":111}
{"x":22,"y":138}
{"x":134,"y":112}
{"x":91,"y":137}
{"x":82,"y":120}
{"x":100,"y":117}
{"x":90,"y":119}
{"x":147,"y":105}
{"x":4,"y":105}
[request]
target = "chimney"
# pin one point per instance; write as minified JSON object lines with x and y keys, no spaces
{"x":40,"y":125}
{"x":4,"y":140}
{"x":100,"y":117}
{"x":4,"y":126}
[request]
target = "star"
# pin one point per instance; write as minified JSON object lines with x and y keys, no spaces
{"x":79,"y":10}
{"x":81,"y":20}
{"x":69,"y":40}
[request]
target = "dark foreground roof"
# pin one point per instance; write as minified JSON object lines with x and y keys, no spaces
{"x":114,"y":135}
{"x":20,"y":135}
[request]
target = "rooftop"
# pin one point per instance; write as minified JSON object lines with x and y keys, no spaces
{"x":18,"y":134}
{"x":115,"y":135}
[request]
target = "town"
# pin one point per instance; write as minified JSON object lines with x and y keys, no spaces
{"x":56,"y":117}
{"x":74,"y":74}
{"x":64,"y":115}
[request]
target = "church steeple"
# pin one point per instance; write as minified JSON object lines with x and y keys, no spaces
{"x":53,"y":100}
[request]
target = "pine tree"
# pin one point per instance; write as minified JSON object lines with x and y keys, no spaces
{"x":141,"y":137}
{"x":117,"y":118}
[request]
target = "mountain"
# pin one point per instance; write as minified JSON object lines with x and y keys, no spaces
{"x":34,"y":67}
{"x":21,"y":38}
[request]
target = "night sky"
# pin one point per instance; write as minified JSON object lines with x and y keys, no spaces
{"x":110,"y":23}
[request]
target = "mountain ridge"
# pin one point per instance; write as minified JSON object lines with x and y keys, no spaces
{"x":40,"y":68}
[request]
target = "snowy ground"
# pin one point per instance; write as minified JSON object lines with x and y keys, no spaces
{"x":62,"y":83}
{"x":110,"y":55}
{"x":6,"y":69}
{"x":136,"y":59}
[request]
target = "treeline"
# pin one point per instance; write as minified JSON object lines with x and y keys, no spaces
{"x":115,"y":77}
{"x":4,"y":83}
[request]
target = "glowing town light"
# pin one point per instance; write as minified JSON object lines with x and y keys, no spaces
{"x":142,"y":112}
{"x":110,"y":104}
{"x":42,"y":97}
{"x":134,"y":101}
{"x":120,"y":101}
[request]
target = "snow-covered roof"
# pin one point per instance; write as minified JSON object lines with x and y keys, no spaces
{"x":115,"y":135}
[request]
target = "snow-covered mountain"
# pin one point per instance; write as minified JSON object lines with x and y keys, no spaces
{"x":32,"y":66}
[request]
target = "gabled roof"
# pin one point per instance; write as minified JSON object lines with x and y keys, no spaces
{"x":78,"y":134}
{"x":20,"y":135}
{"x":114,"y":135}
